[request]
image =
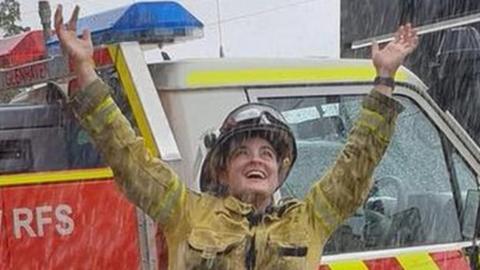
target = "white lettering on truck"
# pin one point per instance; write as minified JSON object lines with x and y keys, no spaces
{"x":23,"y":219}
{"x":66,"y":225}
{"x":41,"y":219}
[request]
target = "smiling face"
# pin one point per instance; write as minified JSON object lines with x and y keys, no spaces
{"x":252,"y":169}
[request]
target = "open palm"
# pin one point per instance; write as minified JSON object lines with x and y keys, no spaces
{"x":79,"y":50}
{"x":389,"y":59}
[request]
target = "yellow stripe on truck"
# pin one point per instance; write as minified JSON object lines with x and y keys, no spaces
{"x":281,"y":76}
{"x":440,"y":260}
{"x":417,"y":261}
{"x":133,"y":99}
{"x":55,"y":177}
{"x":348,"y":265}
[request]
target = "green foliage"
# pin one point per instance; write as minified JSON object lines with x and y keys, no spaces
{"x":9,"y":15}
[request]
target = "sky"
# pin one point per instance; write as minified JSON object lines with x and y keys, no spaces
{"x":249,"y":28}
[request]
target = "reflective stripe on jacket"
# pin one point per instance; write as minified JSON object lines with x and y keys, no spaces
{"x":208,"y":232}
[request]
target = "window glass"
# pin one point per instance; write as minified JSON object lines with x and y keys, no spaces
{"x":38,"y":132}
{"x":465,"y":176}
{"x":466,"y":181}
{"x":411,"y":201}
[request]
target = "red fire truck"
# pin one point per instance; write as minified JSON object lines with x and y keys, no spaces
{"x":59,"y":206}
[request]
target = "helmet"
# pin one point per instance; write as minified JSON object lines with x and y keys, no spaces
{"x":246,"y":121}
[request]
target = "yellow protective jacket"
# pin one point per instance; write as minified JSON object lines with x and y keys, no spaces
{"x":208,"y":232}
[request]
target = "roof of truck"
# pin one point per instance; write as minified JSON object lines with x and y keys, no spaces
{"x":231,"y":72}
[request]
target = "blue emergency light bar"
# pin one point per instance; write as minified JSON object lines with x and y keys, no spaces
{"x":145,"y":22}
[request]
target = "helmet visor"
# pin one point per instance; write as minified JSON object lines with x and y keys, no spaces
{"x":252,"y":113}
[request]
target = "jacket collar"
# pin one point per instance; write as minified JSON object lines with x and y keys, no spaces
{"x":235,"y":205}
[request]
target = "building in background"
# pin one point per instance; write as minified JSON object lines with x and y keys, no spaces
{"x":448,"y":61}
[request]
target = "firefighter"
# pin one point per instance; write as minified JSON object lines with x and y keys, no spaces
{"x":235,"y":224}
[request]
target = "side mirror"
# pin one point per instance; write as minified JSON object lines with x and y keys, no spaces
{"x":470,"y":215}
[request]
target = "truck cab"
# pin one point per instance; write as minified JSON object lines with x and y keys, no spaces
{"x":61,"y":209}
{"x":415,"y":205}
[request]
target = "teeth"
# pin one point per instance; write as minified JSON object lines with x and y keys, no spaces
{"x":256,"y":173}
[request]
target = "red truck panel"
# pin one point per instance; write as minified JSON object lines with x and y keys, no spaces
{"x":80,"y":225}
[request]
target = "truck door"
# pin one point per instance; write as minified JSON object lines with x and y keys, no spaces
{"x":411,"y":216}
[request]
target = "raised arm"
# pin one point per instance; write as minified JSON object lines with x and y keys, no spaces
{"x":346,"y":184}
{"x":147,"y":181}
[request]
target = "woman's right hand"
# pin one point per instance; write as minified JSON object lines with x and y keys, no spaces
{"x":79,"y":50}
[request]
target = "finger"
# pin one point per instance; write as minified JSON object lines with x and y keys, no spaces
{"x":58,"y":17}
{"x":408,"y":27}
{"x":412,"y":37}
{"x":399,"y":34}
{"x":72,"y":24}
{"x":405,"y":34}
{"x":86,"y":36}
{"x":411,"y":45}
{"x":375,"y":48}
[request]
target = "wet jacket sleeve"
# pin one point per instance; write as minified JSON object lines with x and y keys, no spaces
{"x":346,"y":184}
{"x":147,"y":181}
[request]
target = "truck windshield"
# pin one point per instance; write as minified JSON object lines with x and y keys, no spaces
{"x":411,"y":202}
{"x":38,"y":132}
